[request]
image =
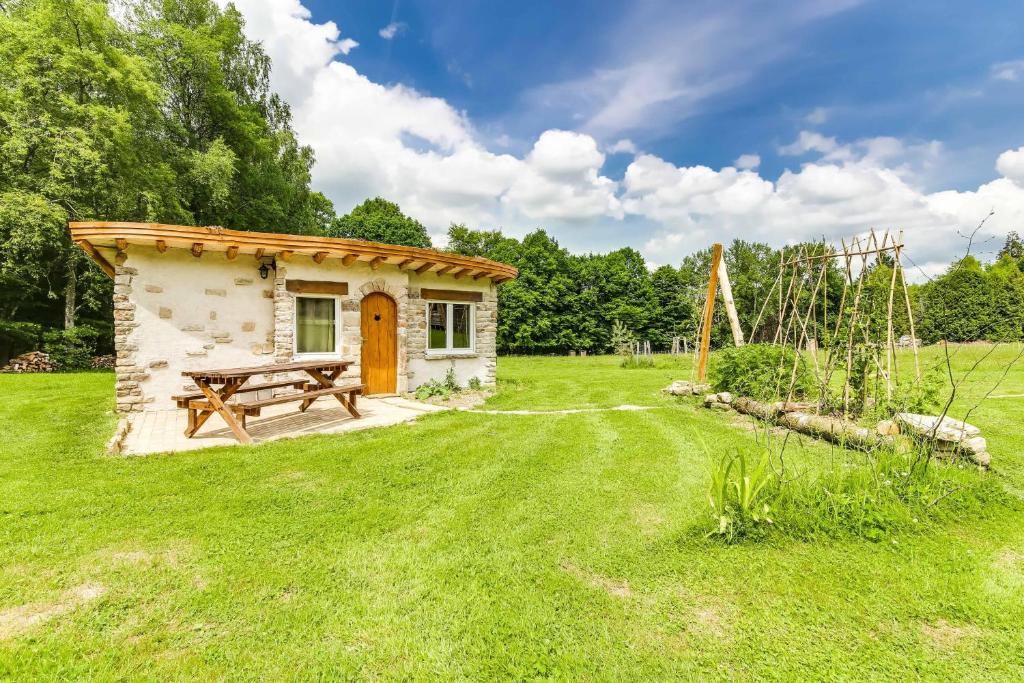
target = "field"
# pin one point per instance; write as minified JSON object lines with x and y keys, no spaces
{"x":480,"y":546}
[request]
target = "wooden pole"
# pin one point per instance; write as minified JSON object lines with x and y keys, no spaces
{"x":709,"y":310}
{"x":910,"y":310}
{"x":730,"y":304}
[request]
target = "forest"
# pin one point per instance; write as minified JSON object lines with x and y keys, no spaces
{"x":165,"y":114}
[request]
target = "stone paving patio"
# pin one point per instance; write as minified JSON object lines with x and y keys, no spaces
{"x":161,"y":431}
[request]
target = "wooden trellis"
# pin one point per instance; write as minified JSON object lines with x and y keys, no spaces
{"x":803,"y":322}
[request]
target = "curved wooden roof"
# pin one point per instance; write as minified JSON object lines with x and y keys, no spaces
{"x":93,"y":236}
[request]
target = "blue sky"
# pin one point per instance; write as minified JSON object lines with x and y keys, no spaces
{"x":662,"y":125}
{"x":917,"y":70}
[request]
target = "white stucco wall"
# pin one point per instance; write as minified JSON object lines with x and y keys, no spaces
{"x":175,"y":312}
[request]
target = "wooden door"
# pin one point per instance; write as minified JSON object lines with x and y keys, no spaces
{"x":379,"y":361}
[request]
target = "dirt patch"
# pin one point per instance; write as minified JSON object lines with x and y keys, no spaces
{"x":120,"y":557}
{"x":1009,"y":559}
{"x":296,"y":479}
{"x":709,"y":618}
{"x":945,"y":636}
{"x":648,"y":518}
{"x":619,"y":589}
{"x":15,"y":621}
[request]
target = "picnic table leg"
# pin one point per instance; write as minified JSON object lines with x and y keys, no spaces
{"x":215,"y":400}
{"x":327,"y":382}
{"x":197,"y":418}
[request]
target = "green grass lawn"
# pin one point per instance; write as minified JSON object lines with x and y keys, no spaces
{"x":477,"y":546}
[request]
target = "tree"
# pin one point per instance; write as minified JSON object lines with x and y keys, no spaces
{"x":77,"y":110}
{"x":379,"y":220}
{"x":1013,"y":246}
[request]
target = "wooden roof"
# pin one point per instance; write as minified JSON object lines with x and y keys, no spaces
{"x":96,"y":236}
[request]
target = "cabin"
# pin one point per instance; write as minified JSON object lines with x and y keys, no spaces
{"x":193,"y":298}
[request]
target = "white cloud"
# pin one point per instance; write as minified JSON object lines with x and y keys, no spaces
{"x":809,"y":141}
{"x":390,"y":140}
{"x":391,"y":30}
{"x":817,"y":116}
{"x":347,"y":45}
{"x":1010,"y":164}
{"x":623,"y":146}
{"x":1008,"y":71}
{"x":748,"y":162}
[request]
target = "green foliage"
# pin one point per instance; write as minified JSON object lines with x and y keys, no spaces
{"x":474,"y":383}
{"x":17,"y":338}
{"x":887,"y":493}
{"x":739,"y":493}
{"x":443,"y":388}
{"x":970,"y":303}
{"x":71,"y":349}
{"x":760,"y":371}
{"x":379,"y":220}
{"x":163,"y":115}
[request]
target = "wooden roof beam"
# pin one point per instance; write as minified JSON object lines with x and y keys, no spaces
{"x":443,"y":269}
{"x":461,"y":272}
{"x":425,"y":267}
{"x":197,"y":249}
{"x":404,"y":265}
{"x":161,"y":246}
{"x":103,"y":263}
{"x":232,"y":252}
{"x":122,"y":244}
{"x":286,"y":254}
{"x":319,"y":256}
{"x":376,"y":261}
{"x":258,"y":254}
{"x":349,"y":259}
{"x":481,"y":274}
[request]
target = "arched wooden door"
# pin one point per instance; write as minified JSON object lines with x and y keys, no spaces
{"x":379,"y":360}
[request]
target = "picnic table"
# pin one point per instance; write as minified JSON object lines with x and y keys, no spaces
{"x":217,"y":386}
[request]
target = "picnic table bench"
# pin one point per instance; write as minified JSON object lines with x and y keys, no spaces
{"x":209,"y":400}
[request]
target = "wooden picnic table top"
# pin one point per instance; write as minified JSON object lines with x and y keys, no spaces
{"x":229,"y":374}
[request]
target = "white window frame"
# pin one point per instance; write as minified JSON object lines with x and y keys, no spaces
{"x":449,"y":331}
{"x":295,"y":327}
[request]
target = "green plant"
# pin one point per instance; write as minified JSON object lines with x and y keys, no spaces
{"x":443,"y":388}
{"x":18,"y":337}
{"x":760,"y":371}
{"x":622,"y":340}
{"x":71,"y":349}
{"x":474,"y":383}
{"x":739,"y":494}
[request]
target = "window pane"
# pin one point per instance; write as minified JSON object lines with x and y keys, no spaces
{"x":460,"y":326}
{"x":438,"y":326}
{"x":315,"y":325}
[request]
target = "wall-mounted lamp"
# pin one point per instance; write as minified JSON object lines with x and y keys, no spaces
{"x":265,"y":269}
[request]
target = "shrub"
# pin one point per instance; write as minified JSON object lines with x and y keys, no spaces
{"x":17,"y":338}
{"x":444,"y":388}
{"x":71,"y":349}
{"x":474,"y":383}
{"x":760,"y":371}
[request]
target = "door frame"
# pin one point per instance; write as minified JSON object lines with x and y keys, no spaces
{"x":362,"y":344}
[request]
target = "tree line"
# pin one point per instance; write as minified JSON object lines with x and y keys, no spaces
{"x":165,"y":114}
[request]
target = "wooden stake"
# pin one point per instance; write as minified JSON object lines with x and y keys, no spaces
{"x":730,"y":305}
{"x":709,"y":310}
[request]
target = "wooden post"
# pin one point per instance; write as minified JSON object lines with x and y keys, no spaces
{"x":730,"y":305}
{"x":709,"y":310}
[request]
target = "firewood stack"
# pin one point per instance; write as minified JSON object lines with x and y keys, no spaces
{"x":33,"y":361}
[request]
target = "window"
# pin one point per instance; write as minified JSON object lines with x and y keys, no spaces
{"x":449,"y":327}
{"x":316,"y":325}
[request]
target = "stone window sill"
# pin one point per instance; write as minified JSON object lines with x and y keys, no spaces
{"x":450,"y":356}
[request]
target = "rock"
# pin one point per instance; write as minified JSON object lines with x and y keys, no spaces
{"x":982,"y":459}
{"x":680,"y":387}
{"x":725,"y":397}
{"x":718,"y":405}
{"x":710,"y":398}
